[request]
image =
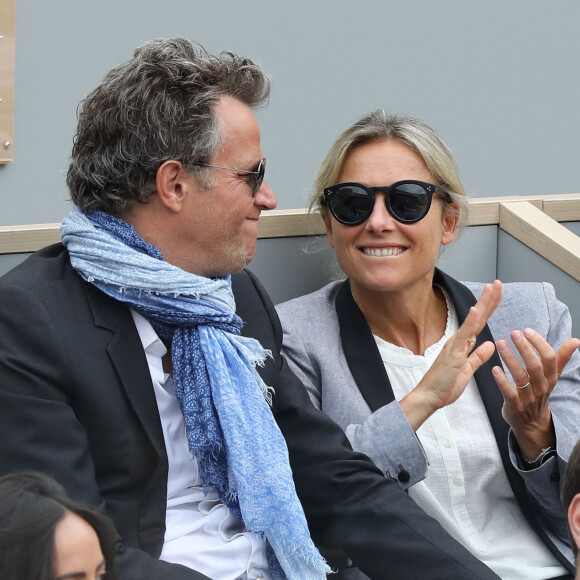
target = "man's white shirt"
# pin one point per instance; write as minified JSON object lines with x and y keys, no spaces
{"x":200,"y":531}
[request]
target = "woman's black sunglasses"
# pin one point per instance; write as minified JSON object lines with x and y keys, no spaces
{"x":407,"y":201}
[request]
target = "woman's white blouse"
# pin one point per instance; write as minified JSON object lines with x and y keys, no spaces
{"x":466,"y":488}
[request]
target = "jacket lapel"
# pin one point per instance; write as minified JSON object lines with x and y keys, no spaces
{"x":491,"y":396}
{"x":361,"y":352}
{"x":128,"y":358}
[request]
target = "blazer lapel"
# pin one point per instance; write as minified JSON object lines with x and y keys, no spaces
{"x":361,"y":352}
{"x":128,"y":358}
{"x":491,"y":396}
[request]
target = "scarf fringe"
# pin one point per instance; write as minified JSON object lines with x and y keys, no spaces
{"x":140,"y":292}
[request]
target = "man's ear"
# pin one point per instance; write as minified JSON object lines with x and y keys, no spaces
{"x":171,"y":184}
{"x":574,"y":518}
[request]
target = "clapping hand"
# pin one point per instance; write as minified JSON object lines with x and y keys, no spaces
{"x":525,"y":405}
{"x":452,"y":370}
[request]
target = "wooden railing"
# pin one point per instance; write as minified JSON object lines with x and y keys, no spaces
{"x":7,"y":59}
{"x":534,"y":221}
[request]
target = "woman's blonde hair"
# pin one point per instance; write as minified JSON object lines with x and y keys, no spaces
{"x":382,"y":126}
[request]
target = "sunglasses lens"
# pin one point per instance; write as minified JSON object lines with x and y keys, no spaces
{"x":260,"y":176}
{"x":409,"y":202}
{"x":351,"y":204}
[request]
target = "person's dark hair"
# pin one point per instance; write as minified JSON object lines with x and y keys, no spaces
{"x":31,"y":506}
{"x":157,"y":106}
{"x":571,"y":485}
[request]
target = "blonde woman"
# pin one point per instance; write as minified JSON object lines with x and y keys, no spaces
{"x":400,"y":355}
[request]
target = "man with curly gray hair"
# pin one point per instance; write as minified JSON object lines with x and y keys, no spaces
{"x":140,"y":363}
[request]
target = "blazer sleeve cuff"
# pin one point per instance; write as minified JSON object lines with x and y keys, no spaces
{"x":542,"y":483}
{"x":389,"y":440}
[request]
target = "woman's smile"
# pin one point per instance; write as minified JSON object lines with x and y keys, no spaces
{"x":382,"y":252}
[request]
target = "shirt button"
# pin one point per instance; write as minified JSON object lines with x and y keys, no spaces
{"x":403,"y":476}
{"x":457,"y":480}
{"x":447,"y":443}
{"x":463,"y":516}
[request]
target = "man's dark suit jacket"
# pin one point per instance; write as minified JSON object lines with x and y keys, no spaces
{"x":76,"y":402}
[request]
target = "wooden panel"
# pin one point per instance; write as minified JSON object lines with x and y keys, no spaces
{"x":484,"y":211}
{"x":563,"y":208}
{"x":20,"y":239}
{"x":541,"y":233}
{"x":287,"y":223}
{"x":7,"y":44}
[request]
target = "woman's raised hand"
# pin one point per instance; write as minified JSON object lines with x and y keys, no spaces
{"x":458,"y":360}
{"x":525,"y":405}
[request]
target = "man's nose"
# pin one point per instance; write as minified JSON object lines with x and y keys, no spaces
{"x":265,"y":198}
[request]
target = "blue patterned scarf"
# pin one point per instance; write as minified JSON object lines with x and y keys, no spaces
{"x":230,"y":428}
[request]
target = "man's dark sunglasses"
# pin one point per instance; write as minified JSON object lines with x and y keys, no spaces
{"x":407,"y":201}
{"x":257,"y":174}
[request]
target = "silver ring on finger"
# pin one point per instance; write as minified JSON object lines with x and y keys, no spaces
{"x":524,"y":386}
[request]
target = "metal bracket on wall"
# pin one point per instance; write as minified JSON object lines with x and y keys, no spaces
{"x":7,"y":51}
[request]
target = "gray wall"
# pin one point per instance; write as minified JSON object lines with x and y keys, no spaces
{"x":498,"y":79}
{"x":517,"y":263}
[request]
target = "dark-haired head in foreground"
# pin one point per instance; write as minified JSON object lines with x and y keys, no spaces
{"x":44,"y":535}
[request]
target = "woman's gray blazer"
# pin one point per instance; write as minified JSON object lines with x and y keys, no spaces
{"x":330,"y":347}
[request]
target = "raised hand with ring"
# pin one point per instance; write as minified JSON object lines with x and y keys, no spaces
{"x":447,"y":378}
{"x":526,"y":407}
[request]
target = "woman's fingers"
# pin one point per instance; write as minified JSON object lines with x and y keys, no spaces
{"x":532,"y":367}
{"x":478,"y":315}
{"x":481,"y":355}
{"x":565,"y":352}
{"x":526,"y":407}
{"x":510,"y":394}
{"x":447,"y":378}
{"x":488,"y":302}
{"x":541,"y":364}
{"x":528,"y":414}
{"x":553,"y":363}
